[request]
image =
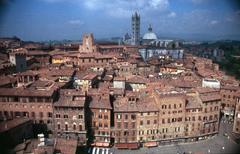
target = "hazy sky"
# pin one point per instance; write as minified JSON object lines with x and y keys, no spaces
{"x":69,"y":19}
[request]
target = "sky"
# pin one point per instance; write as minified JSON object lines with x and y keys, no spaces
{"x":41,"y":20}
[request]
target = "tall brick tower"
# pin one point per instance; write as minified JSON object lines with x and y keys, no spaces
{"x":87,"y":44}
{"x":135,"y":28}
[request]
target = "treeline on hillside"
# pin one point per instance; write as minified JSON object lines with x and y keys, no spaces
{"x":231,"y":64}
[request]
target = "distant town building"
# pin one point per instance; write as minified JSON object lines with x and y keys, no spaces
{"x":236,"y":125}
{"x":135,"y":29}
{"x":211,"y":83}
{"x":18,"y":58}
{"x":149,"y":36}
{"x":87,"y":44}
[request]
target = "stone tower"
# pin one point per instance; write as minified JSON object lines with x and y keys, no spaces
{"x":87,"y":44}
{"x":135,"y":28}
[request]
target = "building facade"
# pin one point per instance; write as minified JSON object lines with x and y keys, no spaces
{"x":69,"y":115}
{"x":135,"y":29}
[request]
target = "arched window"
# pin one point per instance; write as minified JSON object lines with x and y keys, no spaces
{"x":80,"y":127}
{"x":66,"y":127}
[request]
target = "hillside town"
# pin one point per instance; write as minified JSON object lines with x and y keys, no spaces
{"x":127,"y":96}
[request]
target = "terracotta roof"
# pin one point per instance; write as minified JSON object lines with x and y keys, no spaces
{"x":7,"y":125}
{"x":118,"y":78}
{"x":230,"y":87}
{"x":98,"y":102}
{"x":143,"y":103}
{"x":71,"y":98}
{"x":7,"y":80}
{"x":29,"y":72}
{"x":86,"y":75}
{"x":203,"y":90}
{"x":27,"y":92}
{"x":147,"y":104}
{"x":122,"y":105}
{"x":117,"y":91}
{"x":193,"y":102}
{"x":210,"y":97}
{"x":38,"y":52}
{"x":170,"y":98}
{"x":137,"y":79}
{"x":66,"y":146}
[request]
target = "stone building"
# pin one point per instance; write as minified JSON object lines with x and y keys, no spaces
{"x":35,"y":102}
{"x":125,"y":122}
{"x":87,"y":44}
{"x":69,"y":115}
{"x":135,"y":29}
{"x":229,"y":95}
{"x":18,"y":58}
{"x":171,"y":106}
{"x":162,"y":117}
{"x":236,"y":125}
{"x":99,"y":118}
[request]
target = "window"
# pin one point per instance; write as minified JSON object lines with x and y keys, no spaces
{"x":126,"y":116}
{"x":49,"y":114}
{"x":119,"y":125}
{"x":80,"y":116}
{"x":58,"y":126}
{"x":163,"y":121}
{"x":193,"y":118}
{"x":74,"y":127}
{"x":24,"y":99}
{"x":148,"y":122}
{"x":133,"y":117}
{"x":80,"y":127}
{"x":141,"y":122}
{"x":105,"y":116}
{"x":168,"y":120}
{"x":199,"y":118}
{"x":41,"y":114}
{"x":65,"y":116}
{"x":210,"y":118}
{"x":105,"y":125}
{"x":39,"y":99}
{"x":33,"y":114}
{"x":133,"y":124}
{"x":100,"y":124}
{"x":155,"y":121}
{"x":118,"y":116}
{"x":58,"y":116}
{"x":66,"y":127}
{"x":125,"y":125}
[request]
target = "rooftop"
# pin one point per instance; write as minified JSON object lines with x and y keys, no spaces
{"x":7,"y":125}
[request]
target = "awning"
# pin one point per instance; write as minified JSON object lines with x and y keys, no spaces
{"x":102,"y":144}
{"x":127,"y":145}
{"x":150,"y":144}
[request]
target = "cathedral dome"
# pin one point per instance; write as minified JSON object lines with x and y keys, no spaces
{"x":150,"y":35}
